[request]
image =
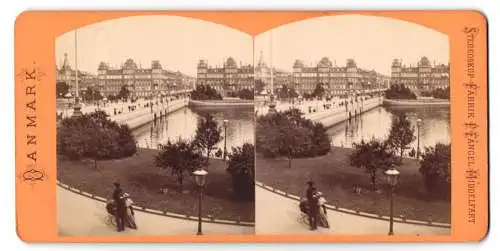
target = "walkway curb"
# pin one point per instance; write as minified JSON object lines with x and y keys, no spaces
{"x":356,"y":212}
{"x":158,"y":212}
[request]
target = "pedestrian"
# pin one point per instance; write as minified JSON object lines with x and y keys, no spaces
{"x":121,"y":212}
{"x":313,"y":206}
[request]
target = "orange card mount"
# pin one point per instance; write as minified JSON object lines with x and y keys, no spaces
{"x":211,"y":126}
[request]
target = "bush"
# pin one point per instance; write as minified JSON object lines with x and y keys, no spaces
{"x":438,"y":93}
{"x":289,"y":134}
{"x":205,"y":92}
{"x":241,"y":167}
{"x":435,"y":167}
{"x":399,"y":92}
{"x":94,"y":136}
{"x":181,"y":157}
{"x":246,"y":94}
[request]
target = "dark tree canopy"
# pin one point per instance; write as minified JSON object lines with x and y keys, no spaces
{"x":94,"y":136}
{"x":401,"y":134}
{"x":205,"y":92}
{"x":241,"y":167}
{"x":372,"y":156}
{"x":289,"y":134}
{"x":92,"y":94}
{"x":399,"y":91}
{"x":319,"y":91}
{"x":246,"y":94}
{"x":435,"y":166}
{"x":62,"y":88}
{"x":208,"y":134}
{"x":259,"y":86}
{"x":287,"y":93}
{"x":181,"y":157}
{"x":124,"y":93}
{"x":438,"y":93}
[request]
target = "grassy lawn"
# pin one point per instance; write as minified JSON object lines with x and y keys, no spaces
{"x":140,"y":178}
{"x":335,"y":178}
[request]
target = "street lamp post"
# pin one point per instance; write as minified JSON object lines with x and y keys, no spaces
{"x":200,"y":178}
{"x":419,"y":122}
{"x":392,"y":178}
{"x":226,"y":122}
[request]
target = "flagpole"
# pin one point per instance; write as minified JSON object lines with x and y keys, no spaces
{"x":272,"y":103}
{"x":77,"y":107}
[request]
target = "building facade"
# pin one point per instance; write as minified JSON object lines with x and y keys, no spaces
{"x":68,"y":75}
{"x":141,"y":82}
{"x":336,"y":80}
{"x":423,"y":76}
{"x":228,"y":78}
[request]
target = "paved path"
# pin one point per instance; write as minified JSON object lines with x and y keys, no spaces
{"x":276,"y":214}
{"x":82,"y":216}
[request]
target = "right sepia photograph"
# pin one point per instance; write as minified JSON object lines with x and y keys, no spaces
{"x":352,"y":128}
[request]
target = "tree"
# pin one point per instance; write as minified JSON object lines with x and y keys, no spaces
{"x":319,"y":91}
{"x":124,"y":93}
{"x":259,"y":86}
{"x":94,"y":136}
{"x":399,"y":91}
{"x":208,"y":134}
{"x":92,"y":94}
{"x":401,"y":134}
{"x":289,"y":134}
{"x":62,"y":88}
{"x":372,"y":156}
{"x":205,"y":92}
{"x":435,"y":166}
{"x":241,"y":167}
{"x":181,"y":157}
{"x":246,"y":94}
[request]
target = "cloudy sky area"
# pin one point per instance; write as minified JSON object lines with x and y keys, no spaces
{"x":178,"y":42}
{"x":373,"y":42}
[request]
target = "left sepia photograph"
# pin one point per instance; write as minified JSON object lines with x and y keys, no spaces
{"x":155,"y":128}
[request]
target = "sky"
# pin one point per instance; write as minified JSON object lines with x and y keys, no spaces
{"x":178,"y":42}
{"x":373,"y":42}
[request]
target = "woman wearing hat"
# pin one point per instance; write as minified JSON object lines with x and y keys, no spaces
{"x":130,"y":220}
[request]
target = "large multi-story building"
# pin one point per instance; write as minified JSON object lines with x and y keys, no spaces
{"x":423,"y":76}
{"x":336,"y":80}
{"x":141,"y":82}
{"x":228,"y":78}
{"x":68,"y":75}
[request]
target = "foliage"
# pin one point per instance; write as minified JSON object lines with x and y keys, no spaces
{"x":124,"y":93}
{"x":438,"y":93}
{"x":435,"y":166}
{"x":181,"y":157}
{"x":62,"y":88}
{"x":208,"y":134}
{"x":401,"y":134}
{"x":205,"y":92}
{"x":241,"y":167}
{"x":287,"y":93}
{"x":372,"y":156}
{"x":319,"y":91}
{"x":259,"y":86}
{"x":91,"y":94}
{"x":289,"y":134}
{"x":246,"y":94}
{"x":94,"y":136}
{"x":399,"y":91}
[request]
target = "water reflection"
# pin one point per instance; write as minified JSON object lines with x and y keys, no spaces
{"x":434,"y":128}
{"x":182,"y":123}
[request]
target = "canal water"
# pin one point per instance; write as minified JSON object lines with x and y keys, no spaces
{"x":182,"y":123}
{"x":434,"y":127}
